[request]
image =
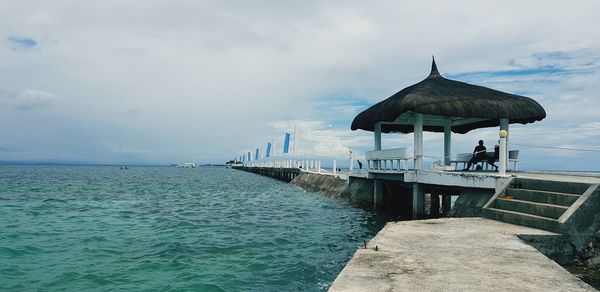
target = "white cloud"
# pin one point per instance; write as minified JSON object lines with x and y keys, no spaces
{"x":205,"y":80}
{"x":29,"y":99}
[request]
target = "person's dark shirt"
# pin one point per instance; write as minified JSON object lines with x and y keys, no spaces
{"x":479,"y":151}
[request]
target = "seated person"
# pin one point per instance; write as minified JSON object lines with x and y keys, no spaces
{"x":495,"y":157}
{"x":478,"y":155}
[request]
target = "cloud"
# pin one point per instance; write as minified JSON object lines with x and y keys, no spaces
{"x":29,"y":99}
{"x":17,"y":43}
{"x":202,"y":81}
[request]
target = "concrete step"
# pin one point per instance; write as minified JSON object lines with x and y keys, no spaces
{"x":555,"y":198}
{"x":533,"y":208}
{"x":522,"y":219}
{"x":550,"y":186}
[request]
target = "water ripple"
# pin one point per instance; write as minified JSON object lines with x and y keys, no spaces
{"x":168,"y":229}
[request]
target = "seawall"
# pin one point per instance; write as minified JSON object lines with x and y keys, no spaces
{"x":357,"y":191}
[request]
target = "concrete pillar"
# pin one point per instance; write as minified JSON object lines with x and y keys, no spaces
{"x":504,"y":126}
{"x":418,"y":142}
{"x":446,"y":205}
{"x":418,"y":209}
{"x":377,"y":194}
{"x":351,"y":162}
{"x":377,"y":135}
{"x":447,"y":141}
{"x":435,"y":205}
{"x":319,"y":166}
{"x":503,"y":153}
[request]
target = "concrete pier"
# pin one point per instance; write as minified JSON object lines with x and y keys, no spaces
{"x":472,"y":254}
{"x":285,"y":174}
{"x":455,"y":254}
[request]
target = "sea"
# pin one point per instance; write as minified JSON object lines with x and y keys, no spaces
{"x":103,"y":228}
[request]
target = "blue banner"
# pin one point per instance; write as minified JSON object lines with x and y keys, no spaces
{"x":286,"y":143}
{"x":249,"y":157}
{"x":256,"y":156}
{"x":268,"y":153}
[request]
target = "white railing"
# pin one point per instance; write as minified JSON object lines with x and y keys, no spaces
{"x":306,"y":165}
{"x":387,"y":159}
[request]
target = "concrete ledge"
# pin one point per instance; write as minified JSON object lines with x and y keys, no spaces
{"x":454,"y":254}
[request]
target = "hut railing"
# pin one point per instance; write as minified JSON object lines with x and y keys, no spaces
{"x":387,"y":159}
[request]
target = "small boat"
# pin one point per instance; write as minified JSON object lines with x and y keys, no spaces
{"x":187,"y":165}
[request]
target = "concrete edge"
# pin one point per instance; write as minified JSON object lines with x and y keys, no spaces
{"x":567,"y":214}
{"x":501,"y":189}
{"x":554,"y":246}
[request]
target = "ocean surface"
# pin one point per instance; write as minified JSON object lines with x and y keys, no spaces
{"x":99,"y":228}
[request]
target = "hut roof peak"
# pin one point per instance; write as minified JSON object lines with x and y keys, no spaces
{"x":474,"y":106}
{"x":434,"y":70}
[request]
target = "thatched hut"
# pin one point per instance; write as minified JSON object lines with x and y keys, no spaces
{"x":437,"y":104}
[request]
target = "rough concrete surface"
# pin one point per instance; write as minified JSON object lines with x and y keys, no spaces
{"x":454,"y":254}
{"x":327,"y":184}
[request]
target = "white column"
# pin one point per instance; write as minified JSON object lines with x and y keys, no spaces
{"x":319,"y":166}
{"x":447,"y":141}
{"x":418,"y":143}
{"x":377,"y":135}
{"x":503,"y":154}
{"x":351,"y":162}
{"x":504,"y":126}
{"x":334,"y":167}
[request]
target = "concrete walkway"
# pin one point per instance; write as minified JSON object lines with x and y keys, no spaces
{"x":589,"y":178}
{"x":454,"y":254}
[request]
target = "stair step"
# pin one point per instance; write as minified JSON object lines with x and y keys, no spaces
{"x":555,"y":198}
{"x":522,"y":219}
{"x":550,"y":186}
{"x":533,"y":208}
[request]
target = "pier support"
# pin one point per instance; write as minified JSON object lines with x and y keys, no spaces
{"x":377,"y":194}
{"x":434,"y":211}
{"x":418,"y":209}
{"x":446,"y":204}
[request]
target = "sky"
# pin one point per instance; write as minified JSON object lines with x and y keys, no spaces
{"x":160,"y":82}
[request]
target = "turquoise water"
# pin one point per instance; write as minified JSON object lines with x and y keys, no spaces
{"x":160,"y":228}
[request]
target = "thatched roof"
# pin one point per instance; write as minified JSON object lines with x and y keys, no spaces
{"x":479,"y":106}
